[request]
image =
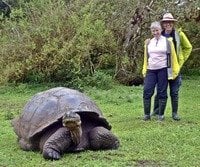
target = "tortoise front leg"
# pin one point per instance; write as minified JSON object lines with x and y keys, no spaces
{"x":57,"y":144}
{"x":102,"y":138}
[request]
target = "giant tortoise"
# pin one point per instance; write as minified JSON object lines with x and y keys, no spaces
{"x":63,"y":120}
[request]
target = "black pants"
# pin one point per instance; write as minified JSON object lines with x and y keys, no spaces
{"x":153,"y":78}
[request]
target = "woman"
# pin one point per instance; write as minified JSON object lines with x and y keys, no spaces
{"x":183,"y":49}
{"x":158,"y":67}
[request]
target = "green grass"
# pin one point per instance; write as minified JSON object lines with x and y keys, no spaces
{"x":152,"y":143}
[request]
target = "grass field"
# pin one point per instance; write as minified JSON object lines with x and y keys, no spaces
{"x":152,"y":143}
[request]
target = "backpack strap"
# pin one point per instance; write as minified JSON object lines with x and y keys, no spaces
{"x":168,"y":53}
{"x":169,"y":67}
{"x":177,"y":38}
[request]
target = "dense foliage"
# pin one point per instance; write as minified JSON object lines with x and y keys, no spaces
{"x":69,"y":41}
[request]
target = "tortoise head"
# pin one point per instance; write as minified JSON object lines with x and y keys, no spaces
{"x":72,"y":121}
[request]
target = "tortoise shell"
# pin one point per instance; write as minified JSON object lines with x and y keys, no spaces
{"x":48,"y":107}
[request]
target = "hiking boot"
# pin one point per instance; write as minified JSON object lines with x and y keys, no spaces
{"x":174,"y":102}
{"x":175,"y":117}
{"x":146,"y":117}
{"x":147,"y":107}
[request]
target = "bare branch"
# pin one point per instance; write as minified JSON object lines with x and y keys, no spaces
{"x":196,"y":49}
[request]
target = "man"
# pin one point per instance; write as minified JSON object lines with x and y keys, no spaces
{"x":183,"y":49}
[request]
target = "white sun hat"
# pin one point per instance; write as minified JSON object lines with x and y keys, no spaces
{"x":168,"y":17}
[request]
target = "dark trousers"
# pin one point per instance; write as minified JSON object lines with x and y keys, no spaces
{"x":153,"y":78}
{"x":174,"y":86}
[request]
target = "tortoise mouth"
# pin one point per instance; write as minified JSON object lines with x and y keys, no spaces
{"x":70,"y":123}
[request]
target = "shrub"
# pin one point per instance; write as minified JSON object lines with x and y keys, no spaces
{"x":54,"y":44}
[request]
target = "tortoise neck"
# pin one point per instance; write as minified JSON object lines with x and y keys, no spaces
{"x":76,"y":133}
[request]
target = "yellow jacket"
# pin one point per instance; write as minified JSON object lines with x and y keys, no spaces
{"x":174,"y":67}
{"x":184,"y":46}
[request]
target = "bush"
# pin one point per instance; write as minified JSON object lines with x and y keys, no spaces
{"x":54,"y":44}
{"x":100,"y":80}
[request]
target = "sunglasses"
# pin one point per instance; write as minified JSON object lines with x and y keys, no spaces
{"x":167,"y":22}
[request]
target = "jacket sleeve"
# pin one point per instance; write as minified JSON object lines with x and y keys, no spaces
{"x":144,"y":69}
{"x":185,"y":48}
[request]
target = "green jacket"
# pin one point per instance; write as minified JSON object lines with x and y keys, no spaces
{"x":173,"y":66}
